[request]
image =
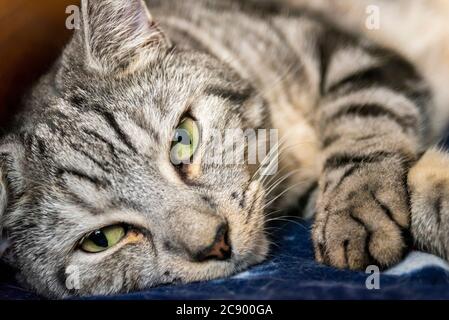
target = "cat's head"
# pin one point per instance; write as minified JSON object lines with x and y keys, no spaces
{"x":93,"y":198}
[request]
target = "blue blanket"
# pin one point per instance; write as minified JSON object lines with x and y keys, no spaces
{"x":292,"y":273}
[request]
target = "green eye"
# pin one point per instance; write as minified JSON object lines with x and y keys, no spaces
{"x":103,"y":239}
{"x":185,"y":141}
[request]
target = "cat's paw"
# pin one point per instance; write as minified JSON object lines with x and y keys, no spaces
{"x":362,"y":215}
{"x":429,"y":192}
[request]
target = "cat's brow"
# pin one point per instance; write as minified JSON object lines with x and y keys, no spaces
{"x":101,"y":138}
{"x":98,"y":182}
{"x":121,"y":134}
{"x":237,"y":97}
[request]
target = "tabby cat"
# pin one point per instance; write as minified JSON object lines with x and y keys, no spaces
{"x":89,"y":186}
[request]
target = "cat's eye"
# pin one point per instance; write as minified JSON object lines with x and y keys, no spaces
{"x":185,"y":141}
{"x":103,"y":239}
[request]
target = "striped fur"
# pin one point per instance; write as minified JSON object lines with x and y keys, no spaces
{"x":94,"y":143}
{"x":362,"y":115}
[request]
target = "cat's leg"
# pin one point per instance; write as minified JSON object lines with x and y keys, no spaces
{"x":429,"y":193}
{"x":372,"y":119}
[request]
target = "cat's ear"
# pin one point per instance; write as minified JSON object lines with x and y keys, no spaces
{"x":11,"y":179}
{"x":118,"y":35}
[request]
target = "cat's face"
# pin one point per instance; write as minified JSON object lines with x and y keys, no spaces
{"x":94,"y":201}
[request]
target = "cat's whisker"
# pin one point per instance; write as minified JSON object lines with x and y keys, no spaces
{"x":274,"y":180}
{"x":279,"y":181}
{"x":275,"y":148}
{"x":268,"y":158}
{"x":265,"y":194}
{"x":286,"y":217}
{"x":281,"y":152}
{"x":282,"y":193}
{"x":271,"y":213}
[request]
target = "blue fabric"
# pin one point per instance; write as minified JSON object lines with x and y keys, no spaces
{"x":291,"y":273}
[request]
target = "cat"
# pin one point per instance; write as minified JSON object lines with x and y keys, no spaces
{"x":93,"y":203}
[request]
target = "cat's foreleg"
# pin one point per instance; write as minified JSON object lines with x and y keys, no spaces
{"x":372,"y":127}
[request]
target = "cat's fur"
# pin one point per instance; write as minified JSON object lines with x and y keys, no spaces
{"x":92,"y":147}
{"x":419,"y":30}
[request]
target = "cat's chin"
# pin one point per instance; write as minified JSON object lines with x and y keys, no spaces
{"x":218,"y":270}
{"x":256,"y":255}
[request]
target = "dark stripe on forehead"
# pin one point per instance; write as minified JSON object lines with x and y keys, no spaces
{"x":35,"y":143}
{"x":83,"y":176}
{"x":99,"y":137}
{"x":113,"y":124}
{"x":101,"y":165}
{"x":237,"y":97}
{"x":41,"y":145}
{"x":147,"y":127}
{"x":79,"y":202}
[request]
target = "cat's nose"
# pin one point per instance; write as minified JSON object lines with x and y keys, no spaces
{"x":220,"y":249}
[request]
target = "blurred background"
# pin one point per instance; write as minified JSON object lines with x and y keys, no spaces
{"x":32,"y":34}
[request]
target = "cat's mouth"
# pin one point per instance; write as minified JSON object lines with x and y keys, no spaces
{"x":246,"y":235}
{"x":222,"y":269}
